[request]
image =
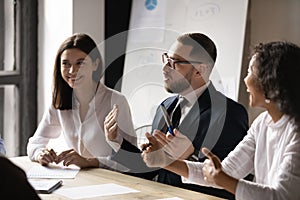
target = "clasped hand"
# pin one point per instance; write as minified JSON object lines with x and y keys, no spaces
{"x":163,"y":149}
{"x":68,"y":157}
{"x":72,"y":157}
{"x":178,"y":146}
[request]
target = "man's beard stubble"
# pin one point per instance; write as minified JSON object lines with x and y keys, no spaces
{"x":179,"y":86}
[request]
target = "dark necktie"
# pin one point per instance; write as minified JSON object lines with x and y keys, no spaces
{"x":176,"y":115}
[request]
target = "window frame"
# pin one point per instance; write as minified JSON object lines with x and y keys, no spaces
{"x":24,"y":75}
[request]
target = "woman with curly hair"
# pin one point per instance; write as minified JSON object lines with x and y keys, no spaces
{"x":271,"y":148}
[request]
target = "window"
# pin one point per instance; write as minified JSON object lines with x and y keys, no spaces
{"x":18,"y":73}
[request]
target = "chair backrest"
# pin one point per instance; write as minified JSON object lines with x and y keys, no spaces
{"x":140,"y":132}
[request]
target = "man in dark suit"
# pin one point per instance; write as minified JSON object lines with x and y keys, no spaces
{"x":207,"y":118}
{"x":14,"y":183}
{"x":222,"y":131}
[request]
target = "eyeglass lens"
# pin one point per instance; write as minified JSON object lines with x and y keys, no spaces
{"x":166,"y":59}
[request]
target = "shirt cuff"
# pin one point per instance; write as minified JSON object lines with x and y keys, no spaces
{"x":107,"y":163}
{"x":116,"y":144}
{"x":240,"y":189}
{"x":194,"y":172}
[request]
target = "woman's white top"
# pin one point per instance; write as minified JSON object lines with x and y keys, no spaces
{"x":270,"y":150}
{"x":87,"y":137}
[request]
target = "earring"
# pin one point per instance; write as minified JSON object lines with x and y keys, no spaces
{"x":267,"y":101}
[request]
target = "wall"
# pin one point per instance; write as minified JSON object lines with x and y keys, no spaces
{"x":55,"y":24}
{"x":271,"y":20}
{"x":267,"y":20}
{"x":154,"y":29}
{"x":88,"y":17}
{"x":57,"y":21}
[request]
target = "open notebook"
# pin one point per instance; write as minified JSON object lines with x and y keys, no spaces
{"x":56,"y":172}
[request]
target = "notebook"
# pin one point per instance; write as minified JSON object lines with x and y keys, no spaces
{"x":45,"y":186}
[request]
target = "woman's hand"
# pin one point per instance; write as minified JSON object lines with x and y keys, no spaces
{"x":70,"y":157}
{"x":111,"y":125}
{"x":47,"y":156}
{"x":213,"y":173}
{"x":212,"y":167}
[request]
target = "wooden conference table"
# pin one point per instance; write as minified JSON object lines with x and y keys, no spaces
{"x":95,"y":176}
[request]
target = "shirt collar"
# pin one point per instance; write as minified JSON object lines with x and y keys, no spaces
{"x":76,"y":103}
{"x":193,"y":96}
{"x":283,"y":120}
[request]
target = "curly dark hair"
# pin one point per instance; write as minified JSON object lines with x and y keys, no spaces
{"x":278,"y":75}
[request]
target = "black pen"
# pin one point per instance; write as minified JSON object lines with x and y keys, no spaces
{"x":167,"y":119}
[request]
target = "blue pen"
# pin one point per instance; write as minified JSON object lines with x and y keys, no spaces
{"x":167,"y":119}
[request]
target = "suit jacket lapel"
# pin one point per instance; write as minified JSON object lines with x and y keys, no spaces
{"x":190,"y":124}
{"x":159,"y":121}
{"x":213,"y":102}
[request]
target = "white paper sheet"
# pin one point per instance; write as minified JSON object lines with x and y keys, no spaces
{"x":94,"y":191}
{"x":52,"y":172}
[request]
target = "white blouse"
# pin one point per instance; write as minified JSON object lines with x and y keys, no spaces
{"x":272,"y":152}
{"x":86,"y":137}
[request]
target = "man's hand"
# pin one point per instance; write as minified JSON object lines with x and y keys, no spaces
{"x":178,"y":146}
{"x":111,"y":125}
{"x":153,"y":154}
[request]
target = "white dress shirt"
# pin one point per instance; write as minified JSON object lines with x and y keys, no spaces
{"x":191,"y":99}
{"x":272,"y":151}
{"x":87,"y":137}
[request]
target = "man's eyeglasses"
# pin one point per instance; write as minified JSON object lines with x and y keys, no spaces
{"x":166,"y":59}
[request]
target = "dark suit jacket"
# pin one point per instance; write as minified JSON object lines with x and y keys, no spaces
{"x":215,"y":122}
{"x":14,"y":183}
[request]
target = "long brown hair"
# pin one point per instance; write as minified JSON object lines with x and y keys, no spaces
{"x":62,"y":92}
